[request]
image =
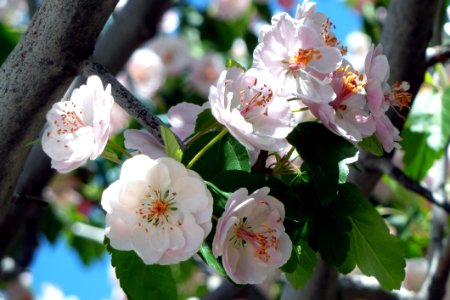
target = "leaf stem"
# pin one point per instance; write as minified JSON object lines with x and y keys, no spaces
{"x":119,"y":148}
{"x":207,"y":147}
{"x":112,"y":159}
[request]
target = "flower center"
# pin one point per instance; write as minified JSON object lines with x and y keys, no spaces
{"x":254,"y":100}
{"x":399,"y":96}
{"x":155,"y":208}
{"x":352,"y":82}
{"x":301,"y":59}
{"x":263,"y":241}
{"x":70,"y":122}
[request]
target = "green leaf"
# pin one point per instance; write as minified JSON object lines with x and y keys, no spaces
{"x":140,"y":281}
{"x":322,"y":151}
{"x":208,"y":256}
{"x":375,"y":251}
{"x":306,"y":262}
{"x":372,"y":145}
{"x":328,"y":233}
{"x":227,"y":154}
{"x":426,"y":132}
{"x":206,"y":121}
{"x":171,"y":144}
{"x":232,"y":63}
{"x":8,"y":40}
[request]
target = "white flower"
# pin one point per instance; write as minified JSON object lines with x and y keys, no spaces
{"x":299,"y":58}
{"x":205,"y":72}
{"x":229,"y":9}
{"x":248,"y":105}
{"x":159,"y":209}
{"x":250,"y":236}
{"x":146,"y":72}
{"x":173,"y":52}
{"x":78,"y":129}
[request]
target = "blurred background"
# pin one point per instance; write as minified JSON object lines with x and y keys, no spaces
{"x":59,"y":252}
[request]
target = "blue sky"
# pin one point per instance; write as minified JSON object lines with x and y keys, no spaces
{"x":61,"y":266}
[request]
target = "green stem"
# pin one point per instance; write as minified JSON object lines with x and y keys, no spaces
{"x":207,"y":147}
{"x":112,"y":159}
{"x":301,"y":109}
{"x":119,"y":148}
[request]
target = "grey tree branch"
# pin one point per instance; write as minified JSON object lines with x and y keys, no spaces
{"x":136,"y":23}
{"x":61,"y":36}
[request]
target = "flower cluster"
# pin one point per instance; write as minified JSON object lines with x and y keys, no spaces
{"x":163,"y":210}
{"x":300,"y":59}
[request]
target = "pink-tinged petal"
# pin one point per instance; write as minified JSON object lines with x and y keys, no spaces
{"x":223,"y":227}
{"x":387,"y":133}
{"x":144,"y":142}
{"x":329,"y":60}
{"x":137,"y":168}
{"x":375,"y":95}
{"x":193,"y":237}
{"x":65,"y":167}
{"x":176,"y":169}
{"x":119,"y":233}
{"x":192,"y":194}
{"x":145,"y":244}
{"x":182,"y":118}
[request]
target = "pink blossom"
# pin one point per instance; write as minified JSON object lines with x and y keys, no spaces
{"x":298,"y":56}
{"x":146,"y":72}
{"x":348,"y":114}
{"x":229,"y":10}
{"x":159,"y":209}
{"x":205,"y":72}
{"x":248,"y":105}
{"x":173,"y":52}
{"x":250,"y":236}
{"x":78,"y":128}
{"x":376,"y":67}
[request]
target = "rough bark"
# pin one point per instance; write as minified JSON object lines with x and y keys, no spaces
{"x":60,"y":37}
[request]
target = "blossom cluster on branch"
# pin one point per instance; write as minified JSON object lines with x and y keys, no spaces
{"x":167,"y":201}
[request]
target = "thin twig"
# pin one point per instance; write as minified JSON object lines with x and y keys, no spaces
{"x":385,"y":166}
{"x":126,"y":100}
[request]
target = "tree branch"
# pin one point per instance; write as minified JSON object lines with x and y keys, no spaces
{"x":136,"y":23}
{"x":61,"y":36}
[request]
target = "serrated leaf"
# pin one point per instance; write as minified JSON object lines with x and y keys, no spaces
{"x":306,"y":259}
{"x":171,"y":144}
{"x":205,"y":121}
{"x":140,"y":281}
{"x":372,"y":145}
{"x":208,"y":256}
{"x":227,"y":154}
{"x":376,"y":252}
{"x":322,"y":151}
